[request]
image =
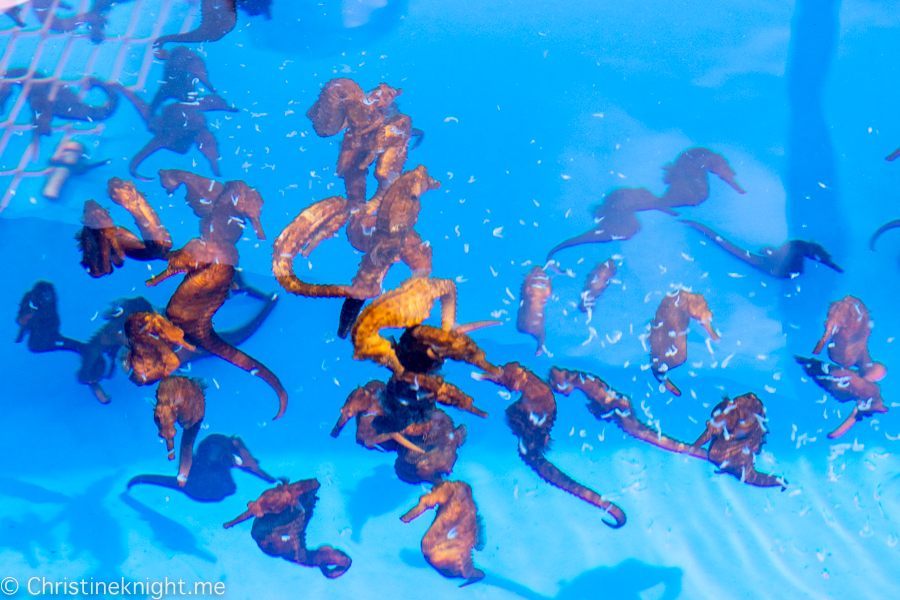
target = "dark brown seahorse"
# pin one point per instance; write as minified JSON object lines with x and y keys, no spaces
{"x":688,"y":178}
{"x":177,"y":128}
{"x":400,"y":418}
{"x":181,"y":74}
{"x":39,"y":319}
{"x":365,"y":404}
{"x":606,"y":404}
{"x":736,"y":426}
{"x":410,"y":399}
{"x":783,"y":262}
{"x":531,"y":418}
{"x":210,"y":477}
{"x":688,"y":181}
{"x":48,"y":99}
{"x":217,"y":18}
{"x":439,"y":439}
{"x":402,"y":415}
{"x":99,"y":359}
{"x":615,"y":219}
{"x":282,"y":515}
{"x":208,"y":263}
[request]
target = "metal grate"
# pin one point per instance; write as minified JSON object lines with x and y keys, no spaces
{"x":69,"y":59}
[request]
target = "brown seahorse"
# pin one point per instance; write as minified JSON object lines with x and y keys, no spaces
{"x":208,"y":263}
{"x":457,"y":529}
{"x":393,"y":238}
{"x":439,"y":439}
{"x":668,"y":332}
{"x":688,"y":179}
{"x":388,"y":148}
{"x":152,"y":341}
{"x":279,"y":529}
{"x":406,"y":306}
{"x":606,"y":404}
{"x":596,"y":283}
{"x":736,"y":434}
{"x":846,"y":334}
{"x":364,"y":403}
{"x":217,"y":18}
{"x":39,"y":319}
{"x":104,"y":245}
{"x":180,"y":400}
{"x":342,"y":104}
{"x":48,"y":99}
{"x":736,"y":427}
{"x":531,"y":418}
{"x":846,"y":385}
{"x":536,"y":290}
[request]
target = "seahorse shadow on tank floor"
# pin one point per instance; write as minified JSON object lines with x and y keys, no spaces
{"x":168,"y":535}
{"x":89,"y":529}
{"x":28,"y":534}
{"x":378,"y":494}
{"x":629,"y":580}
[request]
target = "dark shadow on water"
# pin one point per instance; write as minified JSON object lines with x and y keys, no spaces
{"x":91,"y":529}
{"x":811,"y":181}
{"x":624,"y":581}
{"x":375,"y":495}
{"x":812,"y":208}
{"x":26,"y":536}
{"x":84,"y":519}
{"x":168,"y":534}
{"x":30,"y":492}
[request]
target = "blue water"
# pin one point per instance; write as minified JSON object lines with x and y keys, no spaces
{"x":532,"y":112}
